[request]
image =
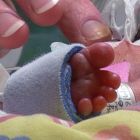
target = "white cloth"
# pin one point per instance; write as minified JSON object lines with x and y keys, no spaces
{"x":122,"y":16}
{"x":43,"y":86}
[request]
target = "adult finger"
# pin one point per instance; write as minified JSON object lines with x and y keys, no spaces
{"x":13,"y":30}
{"x":81,"y":22}
{"x":42,"y":12}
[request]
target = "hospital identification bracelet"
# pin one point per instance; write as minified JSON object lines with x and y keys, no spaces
{"x":125,"y":98}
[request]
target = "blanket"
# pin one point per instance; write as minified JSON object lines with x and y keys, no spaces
{"x":120,"y":125}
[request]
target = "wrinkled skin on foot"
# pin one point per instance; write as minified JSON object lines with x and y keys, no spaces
{"x":83,"y":26}
{"x":92,"y":88}
{"x":90,"y":79}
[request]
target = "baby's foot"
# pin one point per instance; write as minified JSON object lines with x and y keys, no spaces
{"x":92,"y":88}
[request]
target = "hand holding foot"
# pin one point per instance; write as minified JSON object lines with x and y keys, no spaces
{"x":92,"y":88}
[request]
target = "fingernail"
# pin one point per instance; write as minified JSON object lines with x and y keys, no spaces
{"x":94,"y":30}
{"x":41,"y":6}
{"x":9,"y":24}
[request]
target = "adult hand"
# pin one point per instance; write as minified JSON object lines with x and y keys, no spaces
{"x":79,"y":20}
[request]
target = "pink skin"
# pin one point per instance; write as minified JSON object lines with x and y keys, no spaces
{"x":74,"y":15}
{"x":84,"y":75}
{"x":9,"y":17}
{"x":135,"y":107}
{"x":70,"y":16}
{"x":90,"y":93}
{"x":129,"y":52}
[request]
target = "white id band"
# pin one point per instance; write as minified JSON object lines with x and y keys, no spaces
{"x":125,"y":98}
